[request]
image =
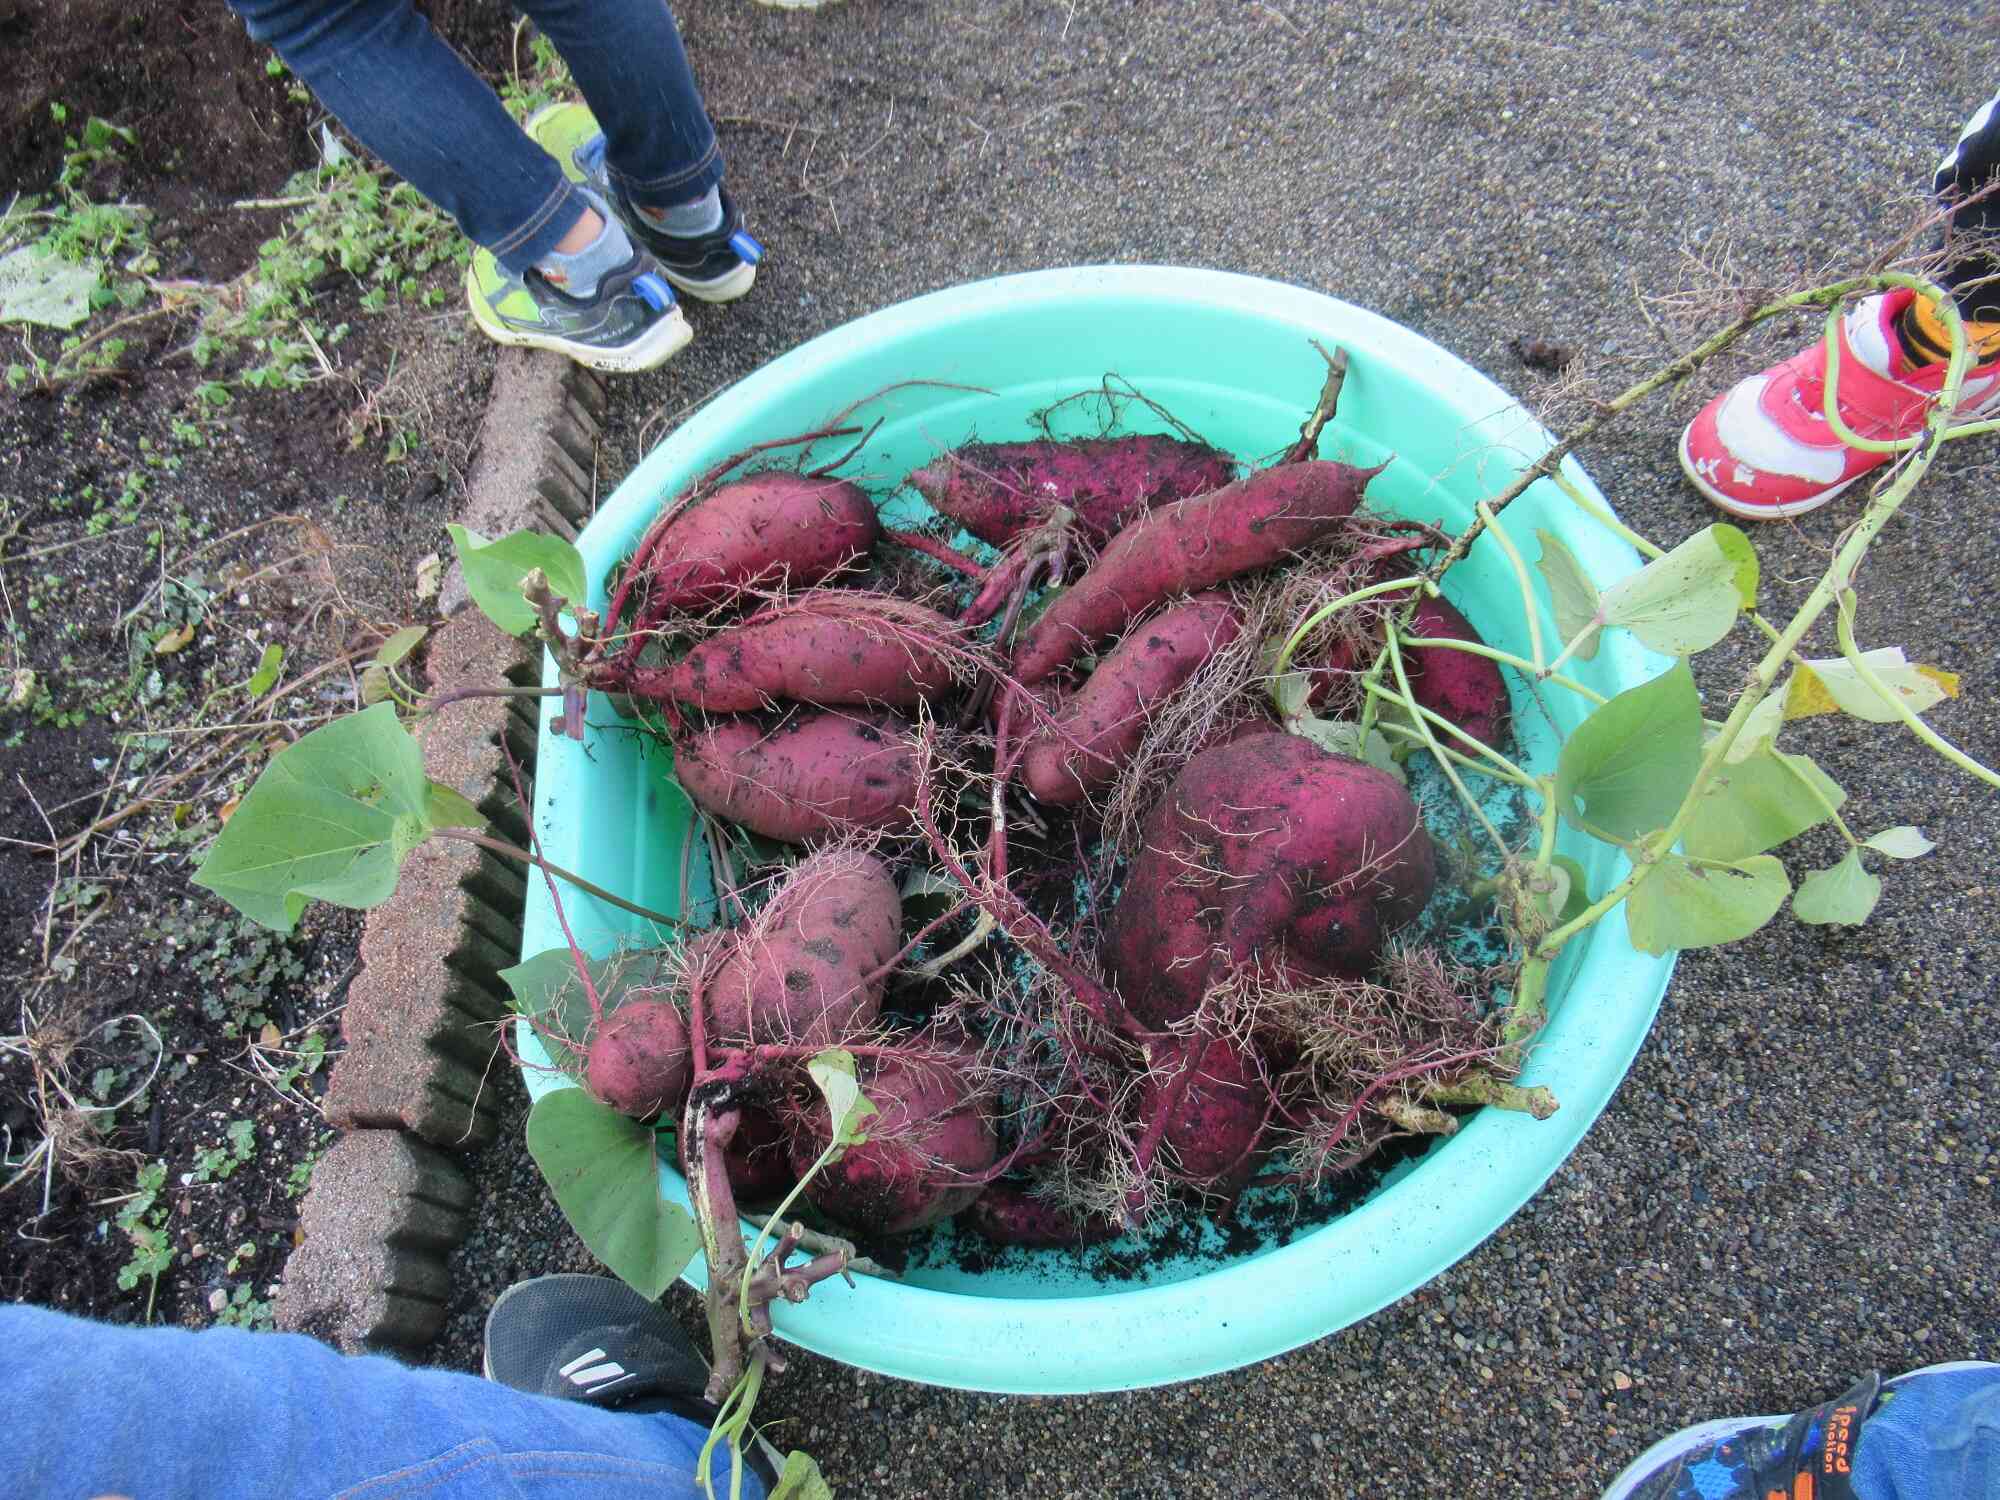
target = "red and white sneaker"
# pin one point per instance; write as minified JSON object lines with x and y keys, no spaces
{"x":1763,"y":449}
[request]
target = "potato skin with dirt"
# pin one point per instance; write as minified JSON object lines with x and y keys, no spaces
{"x":1100,"y":725}
{"x":930,"y":1131}
{"x":1215,"y":1101}
{"x":807,"y":967}
{"x":639,"y":1063}
{"x":832,"y":647}
{"x":1268,"y":855}
{"x":767,"y":528}
{"x":1008,"y":1214}
{"x":1191,"y":545}
{"x":810,"y":776}
{"x":997,"y":491}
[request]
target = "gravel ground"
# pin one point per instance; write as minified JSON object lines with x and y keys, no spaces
{"x":1796,"y":1182}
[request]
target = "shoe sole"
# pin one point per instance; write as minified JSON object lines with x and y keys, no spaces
{"x":726,"y":288}
{"x":654,"y":348}
{"x":1778,"y":511}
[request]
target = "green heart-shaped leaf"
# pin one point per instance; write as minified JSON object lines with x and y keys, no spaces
{"x":604,"y":1172}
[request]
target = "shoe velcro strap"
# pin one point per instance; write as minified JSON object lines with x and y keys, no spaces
{"x":1818,"y":1462}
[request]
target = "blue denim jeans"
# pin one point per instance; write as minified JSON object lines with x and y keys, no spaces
{"x":407,"y":96}
{"x":164,"y":1414}
{"x":1938,"y":1436}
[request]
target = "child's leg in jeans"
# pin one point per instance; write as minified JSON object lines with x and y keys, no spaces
{"x":378,"y":66}
{"x":627,"y":58}
{"x":229,"y":1415}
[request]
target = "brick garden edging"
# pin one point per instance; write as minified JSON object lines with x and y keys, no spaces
{"x":388,"y":1201}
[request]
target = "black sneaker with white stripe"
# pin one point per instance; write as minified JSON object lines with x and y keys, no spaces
{"x":594,"y":1339}
{"x":589,"y":1338}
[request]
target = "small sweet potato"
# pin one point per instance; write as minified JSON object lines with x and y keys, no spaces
{"x":811,"y":775}
{"x":1188,"y":546}
{"x":768,"y":528}
{"x":1215,"y":1100}
{"x":832,"y":647}
{"x":1265,"y":855}
{"x":1101,"y":724}
{"x":1009,"y":1214}
{"x":638,"y":1062}
{"x":997,"y":491}
{"x":1466,"y":689}
{"x":807,"y":967}
{"x":929,"y":1135}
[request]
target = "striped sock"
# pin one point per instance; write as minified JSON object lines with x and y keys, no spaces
{"x":1927,"y":341}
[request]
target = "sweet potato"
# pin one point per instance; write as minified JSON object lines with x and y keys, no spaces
{"x":832,"y":647}
{"x":1187,"y":546}
{"x":929,"y":1134}
{"x":807,"y":967}
{"x":1466,"y":689}
{"x":1215,"y":1101}
{"x":1267,"y":854}
{"x":757,"y":1158}
{"x":772,"y":527}
{"x":1098,"y":728}
{"x":997,"y":491}
{"x":1009,"y":1214}
{"x":638,"y":1062}
{"x":811,"y":775}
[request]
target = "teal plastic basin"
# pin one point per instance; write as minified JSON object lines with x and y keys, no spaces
{"x":1230,"y":356}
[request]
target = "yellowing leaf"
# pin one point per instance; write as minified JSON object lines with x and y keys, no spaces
{"x":174,"y":640}
{"x":1834,"y":686}
{"x":1946,"y":680}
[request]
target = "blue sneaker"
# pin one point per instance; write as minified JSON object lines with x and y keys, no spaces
{"x":719,"y":266}
{"x":1806,"y":1456}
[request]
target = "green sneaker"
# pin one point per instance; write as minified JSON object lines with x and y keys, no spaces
{"x":719,"y":266}
{"x":631,"y":323}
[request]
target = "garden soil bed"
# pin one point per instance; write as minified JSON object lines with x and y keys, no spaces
{"x":163,"y":526}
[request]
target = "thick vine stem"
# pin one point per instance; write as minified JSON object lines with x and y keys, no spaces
{"x":708,"y":1125}
{"x":1844,"y":634}
{"x":1478,"y":1087}
{"x":1881,"y":506}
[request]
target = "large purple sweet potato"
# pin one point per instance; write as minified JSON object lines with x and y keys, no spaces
{"x":1100,"y":725}
{"x":1188,"y":546}
{"x":997,"y":491}
{"x":807,"y":967}
{"x":810,"y":776}
{"x":1267,"y":855}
